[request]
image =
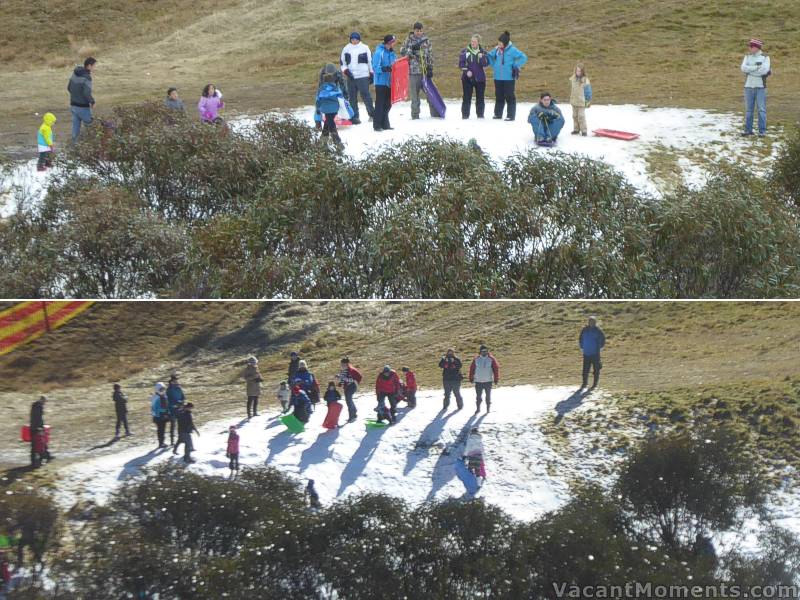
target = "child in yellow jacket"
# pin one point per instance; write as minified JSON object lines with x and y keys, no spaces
{"x":45,"y":142}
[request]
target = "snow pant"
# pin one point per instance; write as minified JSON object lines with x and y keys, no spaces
{"x":122,"y":419}
{"x":349,"y":391}
{"x":383,"y":104}
{"x":161,"y":428}
{"x":547,"y":130}
{"x":453,"y":387}
{"x":480,"y":388}
{"x":579,"y":119}
{"x":467,"y":85}
{"x":188,"y":446}
{"x":392,"y":405}
{"x":38,"y":457}
{"x":234,"y":464}
{"x":360,"y":86}
{"x":504,"y":94}
{"x":414,"y":89}
{"x":45,"y":160}
{"x":80,"y":115}
{"x":252,"y":406}
{"x":755,"y":99}
{"x":329,"y":127}
{"x":411,"y":398}
{"x":173,"y":428}
{"x":593,"y":362}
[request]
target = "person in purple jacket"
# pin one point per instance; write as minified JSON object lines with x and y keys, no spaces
{"x":472,"y":62}
{"x":210,"y":104}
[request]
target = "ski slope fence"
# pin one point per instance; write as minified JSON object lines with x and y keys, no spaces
{"x":27,"y":321}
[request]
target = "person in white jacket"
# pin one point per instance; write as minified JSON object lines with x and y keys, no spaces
{"x":484,"y":371}
{"x":356,"y":62}
{"x":756,"y":67}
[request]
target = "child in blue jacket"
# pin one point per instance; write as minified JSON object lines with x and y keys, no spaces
{"x":327,"y":103}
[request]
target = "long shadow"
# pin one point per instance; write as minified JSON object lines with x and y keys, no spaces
{"x":279,"y":443}
{"x":358,"y":462}
{"x":443,"y":470}
{"x":9,"y":476}
{"x":427,"y":438}
{"x":569,"y":404}
{"x":108,"y":444}
{"x":237,"y":425}
{"x":135,"y":464}
{"x":320,"y":450}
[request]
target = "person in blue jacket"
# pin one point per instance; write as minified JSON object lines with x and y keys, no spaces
{"x":546,"y":120}
{"x":506,"y":60}
{"x":327,"y":102}
{"x":301,"y":404}
{"x":382,"y":61}
{"x":591,"y":341}
{"x":159,"y":410}
{"x":175,"y":400}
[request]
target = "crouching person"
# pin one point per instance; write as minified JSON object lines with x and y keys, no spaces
{"x":546,"y":120}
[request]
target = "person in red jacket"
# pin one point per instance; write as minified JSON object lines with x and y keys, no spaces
{"x":233,"y":448}
{"x":484,"y":371}
{"x":411,"y":387}
{"x":5,"y":572}
{"x":387,"y":386}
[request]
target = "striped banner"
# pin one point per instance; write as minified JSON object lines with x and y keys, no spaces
{"x":28,"y":320}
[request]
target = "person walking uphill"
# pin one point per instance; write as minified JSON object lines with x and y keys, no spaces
{"x":37,"y":427}
{"x":81,"y":100}
{"x":506,"y":61}
{"x":252,"y":377}
{"x":349,"y":377}
{"x":356,"y":63}
{"x":294,"y":364}
{"x":420,"y":64}
{"x":484,"y":371}
{"x":382,"y":61}
{"x":591,"y":341}
{"x":472,"y":63}
{"x":159,"y":410}
{"x":121,"y":409}
{"x":580,"y":98}
{"x":450,"y":365}
{"x":756,"y":67}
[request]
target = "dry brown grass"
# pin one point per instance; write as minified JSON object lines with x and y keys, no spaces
{"x":655,"y":351}
{"x":264,"y":54}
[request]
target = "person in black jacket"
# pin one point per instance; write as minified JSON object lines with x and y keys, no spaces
{"x":37,"y":423}
{"x":451,"y":378}
{"x":185,"y":429}
{"x":121,"y":408}
{"x":81,"y":100}
{"x":294,"y":364}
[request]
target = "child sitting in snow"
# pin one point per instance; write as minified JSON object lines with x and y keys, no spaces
{"x":45,"y":142}
{"x":284,"y":394}
{"x":233,"y":448}
{"x":473,"y":455}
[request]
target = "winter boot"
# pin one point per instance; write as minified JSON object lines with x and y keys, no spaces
{"x":488,"y":406}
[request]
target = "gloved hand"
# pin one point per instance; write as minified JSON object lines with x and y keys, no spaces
{"x":387,"y":69}
{"x":542,"y":116}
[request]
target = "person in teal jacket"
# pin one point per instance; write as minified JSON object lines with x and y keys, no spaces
{"x":506,"y":60}
{"x":382,"y":61}
{"x":327,"y":103}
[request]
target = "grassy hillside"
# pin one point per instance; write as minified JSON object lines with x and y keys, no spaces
{"x":265,"y":54}
{"x":659,"y":357}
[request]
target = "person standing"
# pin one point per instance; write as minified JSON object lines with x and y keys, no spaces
{"x":173,"y":101}
{"x":420,"y":64}
{"x":294,"y":364}
{"x":307,"y":381}
{"x":756,"y":67}
{"x":121,"y":408}
{"x":81,"y":100}
{"x":159,"y":410}
{"x":591,"y":341}
{"x":580,"y":98}
{"x":44,"y":142}
{"x":37,"y":428}
{"x":253,"y":378}
{"x":185,"y":429}
{"x":484,"y":371}
{"x":411,"y":387}
{"x":382,"y":61}
{"x":450,"y":365}
{"x":327,"y":103}
{"x":175,"y":400}
{"x":356,"y":63}
{"x":311,"y":496}
{"x":283,"y":395}
{"x":349,"y":377}
{"x":506,"y":60}
{"x":472,"y":62}
{"x":387,"y":386}
{"x":232,"y":450}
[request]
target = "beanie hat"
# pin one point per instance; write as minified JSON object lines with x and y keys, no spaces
{"x":388,"y":39}
{"x":303,"y":364}
{"x":756,"y":42}
{"x":482,"y":348}
{"x":160,"y":387}
{"x":505,"y":38}
{"x":355,"y":36}
{"x":386,"y":368}
{"x":418,"y":25}
{"x":293,"y":354}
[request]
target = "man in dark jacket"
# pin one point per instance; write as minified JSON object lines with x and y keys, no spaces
{"x":121,"y":408}
{"x":81,"y":100}
{"x":591,"y":341}
{"x":185,"y":429}
{"x":450,"y":365}
{"x":294,"y":364}
{"x":37,"y":422}
{"x":175,"y":399}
